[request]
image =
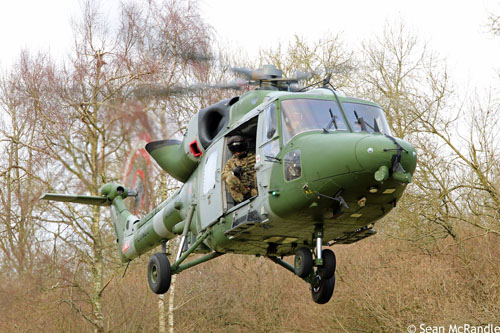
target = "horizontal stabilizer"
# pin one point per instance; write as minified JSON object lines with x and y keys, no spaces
{"x":82,"y":199}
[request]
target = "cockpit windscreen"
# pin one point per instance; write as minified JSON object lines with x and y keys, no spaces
{"x":366,"y":118}
{"x":301,"y":115}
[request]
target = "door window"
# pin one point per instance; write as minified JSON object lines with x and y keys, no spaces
{"x":209,"y":172}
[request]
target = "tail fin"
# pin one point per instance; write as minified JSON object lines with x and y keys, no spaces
{"x":110,"y":192}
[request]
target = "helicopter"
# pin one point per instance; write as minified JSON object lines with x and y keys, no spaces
{"x":327,"y":168}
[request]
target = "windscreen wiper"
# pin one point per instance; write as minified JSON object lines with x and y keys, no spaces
{"x":361,"y":121}
{"x":332,"y":121}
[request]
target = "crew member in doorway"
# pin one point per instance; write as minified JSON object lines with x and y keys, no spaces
{"x":239,"y":171}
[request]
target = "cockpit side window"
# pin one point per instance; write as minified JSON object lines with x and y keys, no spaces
{"x":269,"y":130}
{"x":269,"y":133}
{"x":367,"y":118}
{"x":301,"y":115}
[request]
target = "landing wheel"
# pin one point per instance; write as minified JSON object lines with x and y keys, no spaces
{"x":323,"y":291}
{"x":303,"y":263}
{"x":159,"y":273}
{"x":329,"y":264}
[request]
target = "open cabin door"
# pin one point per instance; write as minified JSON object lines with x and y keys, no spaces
{"x":210,"y":185}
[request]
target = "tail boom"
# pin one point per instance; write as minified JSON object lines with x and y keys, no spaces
{"x":134,"y":236}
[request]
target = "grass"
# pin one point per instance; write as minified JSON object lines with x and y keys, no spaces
{"x":382,"y":285}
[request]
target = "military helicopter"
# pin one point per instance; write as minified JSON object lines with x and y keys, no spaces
{"x":327,"y":168}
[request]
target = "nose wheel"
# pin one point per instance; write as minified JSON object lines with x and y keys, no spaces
{"x":329,"y":265}
{"x":322,"y":291}
{"x":303,"y":263}
{"x":323,"y":279}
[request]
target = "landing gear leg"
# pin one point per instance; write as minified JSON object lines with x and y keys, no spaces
{"x":318,"y":234}
{"x":160,"y":272}
{"x":323,"y":280}
{"x":325,"y":259}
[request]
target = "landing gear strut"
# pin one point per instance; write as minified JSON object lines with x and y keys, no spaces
{"x":160,"y":271}
{"x":322,"y":280}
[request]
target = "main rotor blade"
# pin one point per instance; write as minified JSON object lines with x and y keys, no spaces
{"x":264,"y":73}
{"x":81,"y":199}
{"x":300,"y":75}
{"x":155,"y":91}
{"x":338,"y":69}
{"x":245,"y":71}
{"x":198,"y":56}
{"x":235,"y":85}
{"x":150,"y":91}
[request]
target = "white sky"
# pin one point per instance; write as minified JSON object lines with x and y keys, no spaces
{"x":454,"y":29}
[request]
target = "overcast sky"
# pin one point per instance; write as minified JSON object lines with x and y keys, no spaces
{"x":455,"y":29}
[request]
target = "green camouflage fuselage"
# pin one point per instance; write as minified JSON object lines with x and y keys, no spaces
{"x":340,"y":178}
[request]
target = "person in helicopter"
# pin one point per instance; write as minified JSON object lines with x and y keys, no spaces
{"x":239,"y":171}
{"x":297,"y":120}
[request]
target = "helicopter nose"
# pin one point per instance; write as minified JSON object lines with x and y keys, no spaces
{"x":384,"y":155}
{"x":324,"y":156}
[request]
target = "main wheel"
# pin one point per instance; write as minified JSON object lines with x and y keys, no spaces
{"x":159,"y":273}
{"x":322,"y":293}
{"x":303,"y":263}
{"x":329,"y":264}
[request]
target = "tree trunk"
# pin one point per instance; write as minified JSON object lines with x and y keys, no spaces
{"x":97,"y":272}
{"x":171,"y":304}
{"x":162,"y":327}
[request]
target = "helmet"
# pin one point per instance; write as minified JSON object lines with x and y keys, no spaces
{"x":236,"y":144}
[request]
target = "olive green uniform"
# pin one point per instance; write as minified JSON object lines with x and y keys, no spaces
{"x":246,"y":186}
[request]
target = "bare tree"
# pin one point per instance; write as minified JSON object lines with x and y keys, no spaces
{"x":475,"y":153}
{"x":21,"y":101}
{"x":327,"y":55}
{"x":405,"y":78}
{"x":457,"y":173}
{"x":494,"y":23}
{"x":88,"y":126}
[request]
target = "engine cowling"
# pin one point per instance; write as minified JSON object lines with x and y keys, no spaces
{"x":180,"y":158}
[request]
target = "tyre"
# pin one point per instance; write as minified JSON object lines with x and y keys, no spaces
{"x":329,"y":264}
{"x":303,"y":263}
{"x":159,"y":273}
{"x":322,"y":293}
